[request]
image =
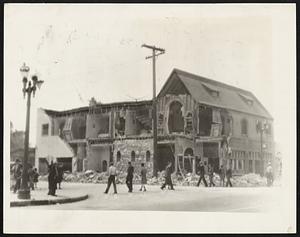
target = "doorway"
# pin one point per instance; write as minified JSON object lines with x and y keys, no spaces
{"x":164,"y":155}
{"x":188,"y":157}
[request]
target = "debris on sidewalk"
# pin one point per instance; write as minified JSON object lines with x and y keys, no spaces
{"x":90,"y":176}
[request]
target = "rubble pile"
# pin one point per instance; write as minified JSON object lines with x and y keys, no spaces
{"x":249,"y":180}
{"x":90,"y":176}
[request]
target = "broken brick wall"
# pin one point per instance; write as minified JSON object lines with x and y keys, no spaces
{"x":140,"y":148}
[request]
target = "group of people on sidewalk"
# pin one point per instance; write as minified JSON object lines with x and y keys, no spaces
{"x":55,"y":176}
{"x":112,"y":173}
{"x":17,"y":173}
{"x":223,"y":172}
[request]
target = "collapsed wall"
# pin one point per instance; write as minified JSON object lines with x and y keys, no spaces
{"x":137,"y":151}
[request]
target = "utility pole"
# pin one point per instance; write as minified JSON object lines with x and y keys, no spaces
{"x":154,"y":110}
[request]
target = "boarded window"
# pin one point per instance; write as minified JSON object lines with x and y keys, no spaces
{"x":45,"y":129}
{"x":147,"y":156}
{"x":133,"y":156}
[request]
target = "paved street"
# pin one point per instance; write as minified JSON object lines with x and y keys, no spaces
{"x":260,"y":199}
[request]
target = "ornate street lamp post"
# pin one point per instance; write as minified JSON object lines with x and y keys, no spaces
{"x":28,"y":88}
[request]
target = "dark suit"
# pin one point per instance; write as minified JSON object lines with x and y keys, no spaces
{"x":228,"y":177}
{"x":168,"y":179}
{"x":129,"y":177}
{"x":202,"y":172}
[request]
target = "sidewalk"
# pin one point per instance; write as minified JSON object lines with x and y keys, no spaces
{"x":68,"y":193}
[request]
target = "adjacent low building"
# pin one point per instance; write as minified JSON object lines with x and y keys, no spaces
{"x":198,"y":119}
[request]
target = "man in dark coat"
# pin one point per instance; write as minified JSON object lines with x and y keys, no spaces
{"x":211,"y":175}
{"x":168,"y":179}
{"x":52,"y":178}
{"x":228,"y":176}
{"x":129,"y":177}
{"x":202,"y":173}
{"x":17,"y":172}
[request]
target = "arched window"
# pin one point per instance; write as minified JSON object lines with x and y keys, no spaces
{"x":147,"y":156}
{"x":118,"y":156}
{"x":244,"y":127}
{"x":133,"y":156}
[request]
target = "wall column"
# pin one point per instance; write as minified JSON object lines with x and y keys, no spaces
{"x":194,"y":165}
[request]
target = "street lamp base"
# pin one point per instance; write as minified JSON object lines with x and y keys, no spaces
{"x":24,"y":194}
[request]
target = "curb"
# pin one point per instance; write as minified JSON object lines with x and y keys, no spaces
{"x":47,"y":202}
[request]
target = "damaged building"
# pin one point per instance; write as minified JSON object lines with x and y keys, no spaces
{"x":197,"y":119}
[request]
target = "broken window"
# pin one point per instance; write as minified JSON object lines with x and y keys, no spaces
{"x":133,"y":156}
{"x":103,"y":122}
{"x":45,"y":129}
{"x":176,"y":120}
{"x":205,"y":120}
{"x":120,"y":124}
{"x":144,"y":121}
{"x":244,"y":126}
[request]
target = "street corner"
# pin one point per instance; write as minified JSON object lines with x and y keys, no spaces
{"x":48,"y":201}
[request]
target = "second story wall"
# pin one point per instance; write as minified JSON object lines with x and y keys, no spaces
{"x":98,"y":125}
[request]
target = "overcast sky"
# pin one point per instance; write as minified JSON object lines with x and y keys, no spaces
{"x":84,"y":51}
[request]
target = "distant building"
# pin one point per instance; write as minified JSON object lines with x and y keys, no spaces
{"x":198,"y":119}
{"x":17,"y":147}
{"x":19,"y":154}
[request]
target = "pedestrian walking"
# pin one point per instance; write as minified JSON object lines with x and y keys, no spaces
{"x":129,"y":177}
{"x":228,"y":176}
{"x":30,"y":177}
{"x":222,"y":176}
{"x":144,"y":178}
{"x":52,"y":178}
{"x":202,"y":173}
{"x":168,"y":179}
{"x":211,"y":175}
{"x":35,"y":177}
{"x":60,"y":175}
{"x":112,"y":172}
{"x":17,"y":172}
{"x":269,"y":175}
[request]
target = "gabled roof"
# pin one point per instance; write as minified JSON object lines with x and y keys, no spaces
{"x":229,"y":97}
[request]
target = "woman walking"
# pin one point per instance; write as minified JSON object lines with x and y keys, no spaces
{"x":144,"y":177}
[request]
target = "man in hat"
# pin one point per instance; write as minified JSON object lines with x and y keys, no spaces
{"x":17,"y":172}
{"x":202,"y":173}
